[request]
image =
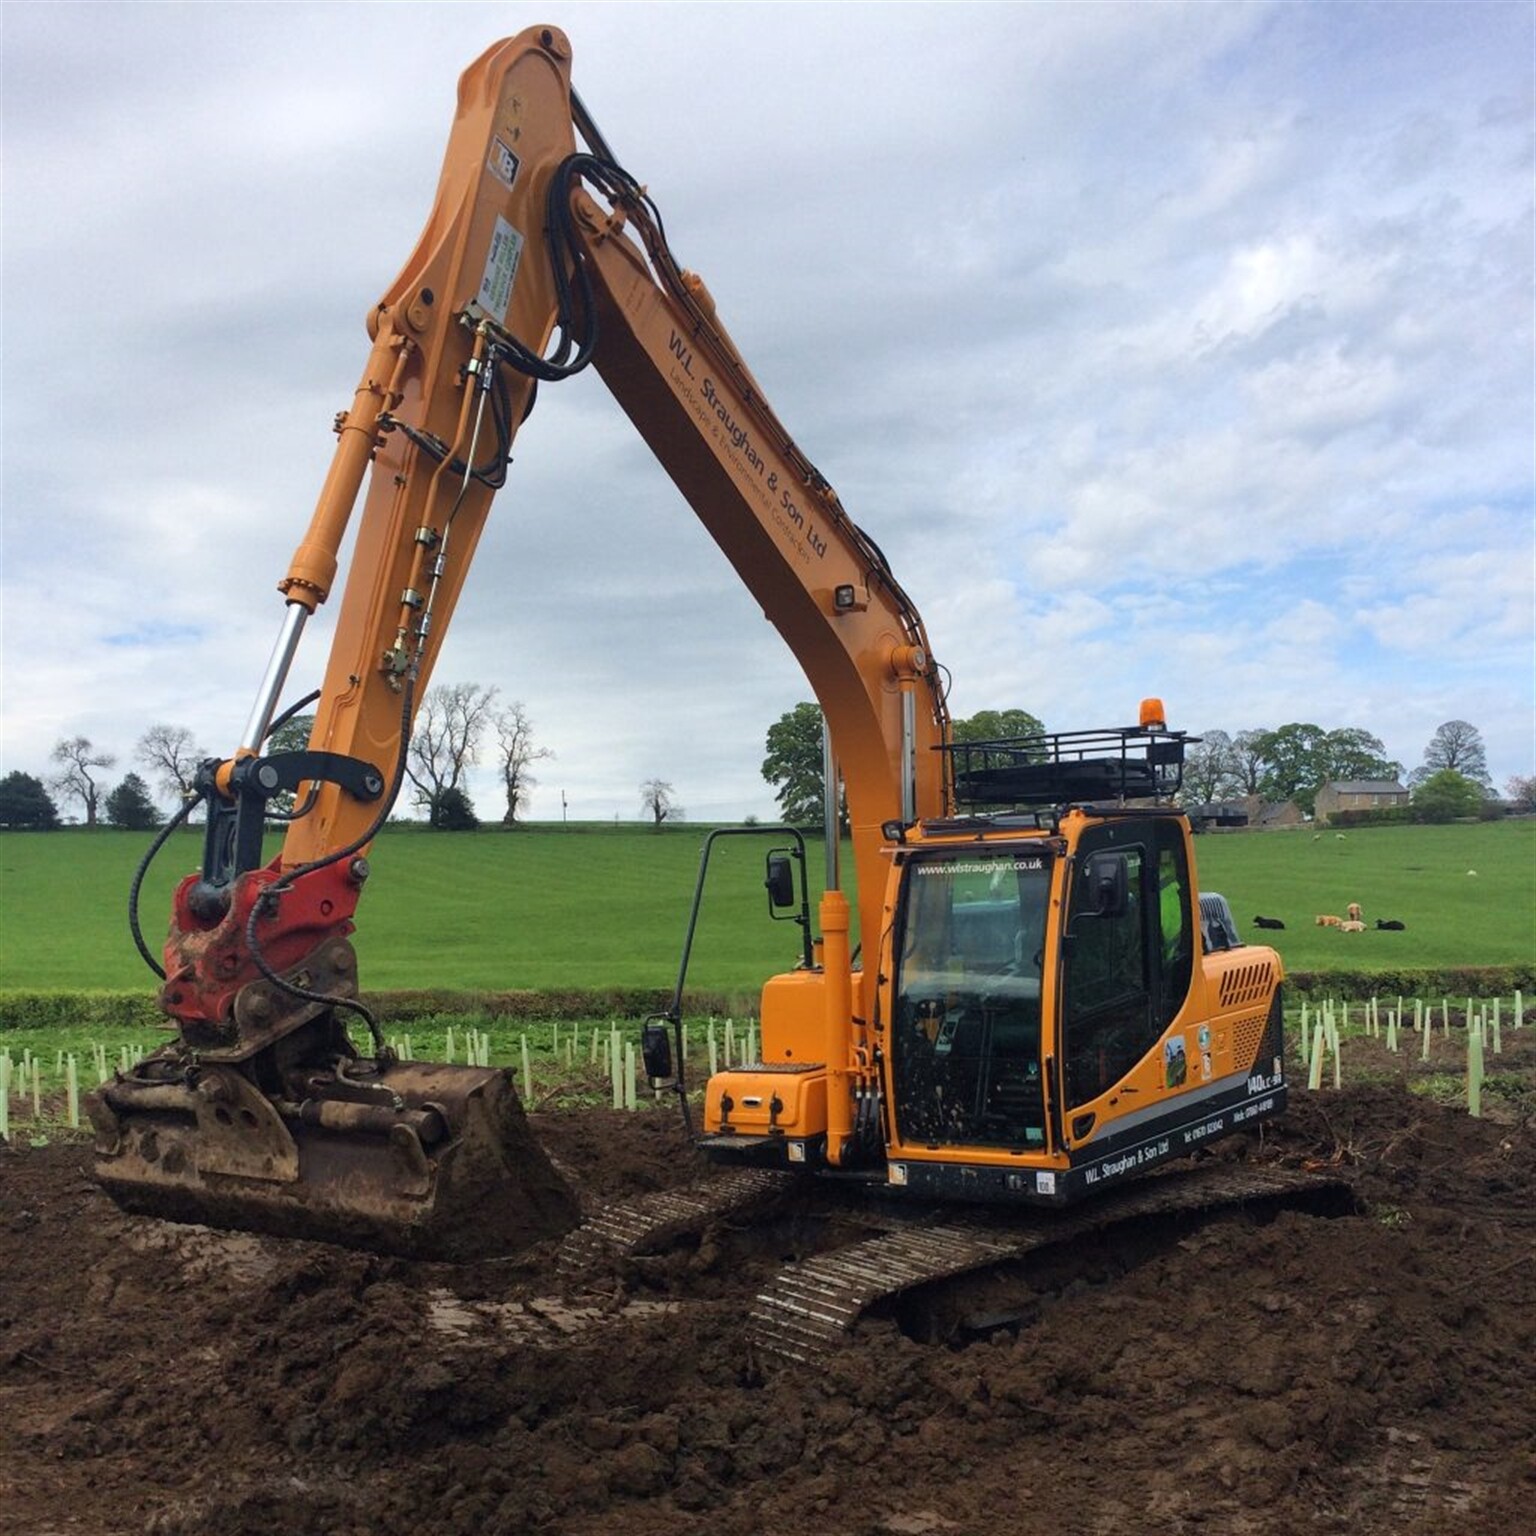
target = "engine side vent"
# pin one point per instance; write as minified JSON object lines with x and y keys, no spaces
{"x":1245,"y":984}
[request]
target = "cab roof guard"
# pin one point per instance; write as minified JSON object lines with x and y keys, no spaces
{"x":1060,"y":767}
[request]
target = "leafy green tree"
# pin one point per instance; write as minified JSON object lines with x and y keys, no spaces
{"x":1299,"y":758}
{"x":291,"y":736}
{"x":1457,"y":746}
{"x":1446,"y":795}
{"x":996,"y":725}
{"x":129,"y":806}
{"x":450,"y":810}
{"x":794,"y":762}
{"x":1291,"y":756}
{"x":25,"y":804}
{"x":1351,"y":753}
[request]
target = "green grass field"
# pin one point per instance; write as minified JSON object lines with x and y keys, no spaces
{"x":544,"y":909}
{"x":1417,"y":875}
{"x":551,"y":908}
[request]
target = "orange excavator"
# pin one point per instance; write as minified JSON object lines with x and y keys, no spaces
{"x":1032,"y":1001}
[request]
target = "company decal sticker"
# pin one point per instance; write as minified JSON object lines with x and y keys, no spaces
{"x":503,"y":164}
{"x":976,"y":867}
{"x":1175,"y":1062}
{"x":711,"y":406}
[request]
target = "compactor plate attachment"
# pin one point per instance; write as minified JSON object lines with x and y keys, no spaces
{"x":418,"y":1159}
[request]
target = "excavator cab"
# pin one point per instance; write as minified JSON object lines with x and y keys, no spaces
{"x":1046,"y":1015}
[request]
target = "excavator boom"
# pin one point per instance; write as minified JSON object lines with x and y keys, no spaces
{"x":537,"y":258}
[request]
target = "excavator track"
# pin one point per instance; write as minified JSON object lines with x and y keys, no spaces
{"x":632,"y":1227}
{"x":813,"y":1307}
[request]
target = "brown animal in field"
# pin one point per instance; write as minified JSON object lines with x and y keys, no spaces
{"x":1353,"y":909}
{"x":1354,"y":925}
{"x":1329,"y":922}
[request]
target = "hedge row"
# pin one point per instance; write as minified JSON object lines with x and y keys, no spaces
{"x":110,"y":1011}
{"x":136,"y":1010}
{"x":1481,"y":981}
{"x":1411,"y":815}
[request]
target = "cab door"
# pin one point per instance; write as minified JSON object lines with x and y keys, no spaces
{"x":1127,"y":952}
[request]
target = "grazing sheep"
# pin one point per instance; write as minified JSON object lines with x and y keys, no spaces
{"x":1329,"y":922}
{"x":1268,"y":922}
{"x":1391,"y":924}
{"x":1355,"y":914}
{"x":1354,"y":925}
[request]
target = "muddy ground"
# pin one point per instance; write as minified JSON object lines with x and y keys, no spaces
{"x":1369,"y":1373}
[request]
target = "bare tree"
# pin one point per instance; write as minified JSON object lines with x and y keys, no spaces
{"x":1458,"y":746}
{"x":659,"y":801}
{"x":1248,"y":761}
{"x":446,"y":741}
{"x":171,"y":755}
{"x":1210,"y":768}
{"x":77,"y":757}
{"x":514,"y":736}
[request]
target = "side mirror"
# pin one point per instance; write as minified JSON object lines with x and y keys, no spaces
{"x":780,"y":882}
{"x":656,"y":1051}
{"x":1108,"y":885}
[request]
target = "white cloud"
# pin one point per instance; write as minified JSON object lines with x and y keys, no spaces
{"x":1174,"y":349}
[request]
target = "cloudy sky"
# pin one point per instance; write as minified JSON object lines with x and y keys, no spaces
{"x":1164,"y":349}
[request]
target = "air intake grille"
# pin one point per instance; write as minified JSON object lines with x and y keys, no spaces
{"x":1247,"y":984}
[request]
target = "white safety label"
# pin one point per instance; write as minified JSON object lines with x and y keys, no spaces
{"x":500,"y":271}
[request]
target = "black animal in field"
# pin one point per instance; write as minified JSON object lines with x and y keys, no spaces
{"x":1268,"y":922}
{"x":1391,"y":924}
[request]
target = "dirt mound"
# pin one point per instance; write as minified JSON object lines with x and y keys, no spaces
{"x":1366,"y":1373}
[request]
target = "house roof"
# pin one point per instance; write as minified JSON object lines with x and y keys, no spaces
{"x":1366,"y":787}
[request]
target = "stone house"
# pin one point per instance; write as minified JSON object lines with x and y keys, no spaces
{"x":1358,"y":795}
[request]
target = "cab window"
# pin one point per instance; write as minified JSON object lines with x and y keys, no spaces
{"x":966,"y":1037}
{"x":1129,"y":951}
